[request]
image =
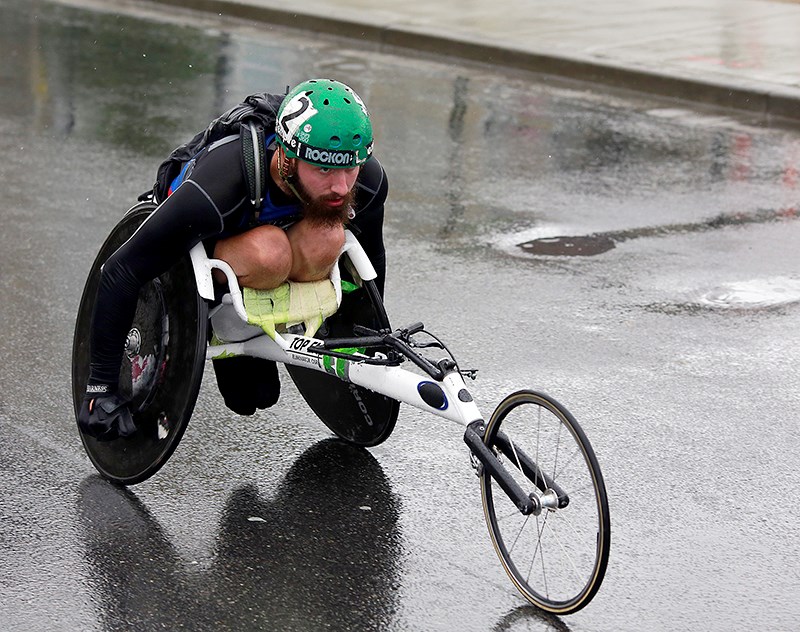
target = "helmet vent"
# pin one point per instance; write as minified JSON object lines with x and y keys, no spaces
{"x":346,"y":100}
{"x":326,"y":102}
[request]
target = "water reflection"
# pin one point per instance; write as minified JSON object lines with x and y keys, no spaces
{"x":598,"y":243}
{"x":322,"y":552}
{"x":453,"y":181}
{"x":530,"y":618}
{"x":106,"y":76}
{"x":770,"y":294}
{"x":467,"y":150}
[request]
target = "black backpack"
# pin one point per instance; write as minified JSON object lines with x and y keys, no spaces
{"x":251,"y":119}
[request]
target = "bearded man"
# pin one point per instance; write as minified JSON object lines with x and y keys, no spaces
{"x":321,"y":176}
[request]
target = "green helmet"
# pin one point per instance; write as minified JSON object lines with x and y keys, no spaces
{"x":325,"y":123}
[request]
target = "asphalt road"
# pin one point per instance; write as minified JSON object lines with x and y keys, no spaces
{"x":635,"y":258}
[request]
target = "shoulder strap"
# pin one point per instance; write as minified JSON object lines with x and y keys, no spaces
{"x":253,"y":130}
{"x":252,"y":118}
{"x":254,"y":160}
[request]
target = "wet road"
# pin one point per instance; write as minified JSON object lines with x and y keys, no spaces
{"x":636,"y":259}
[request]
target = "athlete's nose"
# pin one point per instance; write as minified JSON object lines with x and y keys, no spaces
{"x":339,"y":184}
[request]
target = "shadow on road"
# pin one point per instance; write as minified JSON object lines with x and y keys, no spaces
{"x":322,"y":552}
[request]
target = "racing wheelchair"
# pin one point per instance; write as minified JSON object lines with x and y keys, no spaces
{"x":542,"y":490}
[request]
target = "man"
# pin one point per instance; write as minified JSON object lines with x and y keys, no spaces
{"x":321,"y":175}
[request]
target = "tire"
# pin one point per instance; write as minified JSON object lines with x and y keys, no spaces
{"x":557,"y":559}
{"x":162,"y":369}
{"x":353,"y":413}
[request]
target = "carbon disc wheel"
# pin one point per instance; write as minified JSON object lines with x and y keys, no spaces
{"x":162,"y":366}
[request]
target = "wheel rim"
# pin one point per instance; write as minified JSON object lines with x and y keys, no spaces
{"x":557,"y":559}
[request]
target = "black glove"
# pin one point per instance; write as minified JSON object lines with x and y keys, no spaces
{"x":106,"y":418}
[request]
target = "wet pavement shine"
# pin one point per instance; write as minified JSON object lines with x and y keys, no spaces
{"x":734,"y":53}
{"x":634,"y":257}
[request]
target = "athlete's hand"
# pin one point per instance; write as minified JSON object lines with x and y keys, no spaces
{"x":106,"y":418}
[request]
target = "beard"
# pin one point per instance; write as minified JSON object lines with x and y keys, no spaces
{"x":319,"y":213}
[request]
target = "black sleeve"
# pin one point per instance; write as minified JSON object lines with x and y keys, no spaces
{"x":211,"y":200}
{"x":372,"y":188}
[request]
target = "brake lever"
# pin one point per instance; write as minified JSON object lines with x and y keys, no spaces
{"x":428,"y":345}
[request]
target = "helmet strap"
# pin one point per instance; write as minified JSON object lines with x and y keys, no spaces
{"x":287,"y":174}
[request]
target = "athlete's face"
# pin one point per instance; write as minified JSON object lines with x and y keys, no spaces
{"x":328,"y":192}
{"x":331,"y":185}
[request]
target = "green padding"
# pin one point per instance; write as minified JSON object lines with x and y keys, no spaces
{"x":348,"y":287}
{"x":291,"y":304}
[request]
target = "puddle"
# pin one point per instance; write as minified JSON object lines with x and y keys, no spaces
{"x":754,"y":294}
{"x":737,"y":297}
{"x":598,"y":243}
{"x":578,"y":246}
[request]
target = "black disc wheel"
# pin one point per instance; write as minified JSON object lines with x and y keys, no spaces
{"x":162,"y":366}
{"x":556,"y":556}
{"x":353,"y":413}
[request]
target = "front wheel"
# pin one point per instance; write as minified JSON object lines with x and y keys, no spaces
{"x":556,"y":556}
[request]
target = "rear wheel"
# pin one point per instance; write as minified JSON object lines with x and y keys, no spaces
{"x":162,"y":366}
{"x":353,"y":413}
{"x":557,"y":556}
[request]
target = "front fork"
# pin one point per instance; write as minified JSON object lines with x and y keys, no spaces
{"x":551,"y":497}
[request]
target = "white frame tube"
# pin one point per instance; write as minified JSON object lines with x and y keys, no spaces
{"x":392,"y":381}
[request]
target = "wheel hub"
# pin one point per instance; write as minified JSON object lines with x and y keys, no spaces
{"x":133,"y":343}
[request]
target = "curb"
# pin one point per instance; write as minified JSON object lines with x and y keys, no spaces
{"x":758,"y":100}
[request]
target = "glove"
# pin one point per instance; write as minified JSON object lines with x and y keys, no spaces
{"x":106,"y":418}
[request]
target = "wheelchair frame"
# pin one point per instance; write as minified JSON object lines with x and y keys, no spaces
{"x":526,"y":493}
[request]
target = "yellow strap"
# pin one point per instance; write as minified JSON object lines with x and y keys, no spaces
{"x":291,"y":304}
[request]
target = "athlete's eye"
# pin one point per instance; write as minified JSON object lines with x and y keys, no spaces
{"x":325,"y":170}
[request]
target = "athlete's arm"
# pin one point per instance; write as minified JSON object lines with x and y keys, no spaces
{"x":211,"y":200}
{"x":371,"y":190}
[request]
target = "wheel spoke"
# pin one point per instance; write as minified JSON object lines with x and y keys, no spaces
{"x":515,"y":514}
{"x":566,"y":463}
{"x":519,"y":533}
{"x":540,"y":551}
{"x":566,"y":554}
{"x":577,"y":535}
{"x":577,"y":491}
{"x":558,"y":448}
{"x":516,"y":456}
{"x":538,"y":439}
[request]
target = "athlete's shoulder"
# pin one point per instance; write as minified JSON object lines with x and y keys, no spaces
{"x":372,"y":185}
